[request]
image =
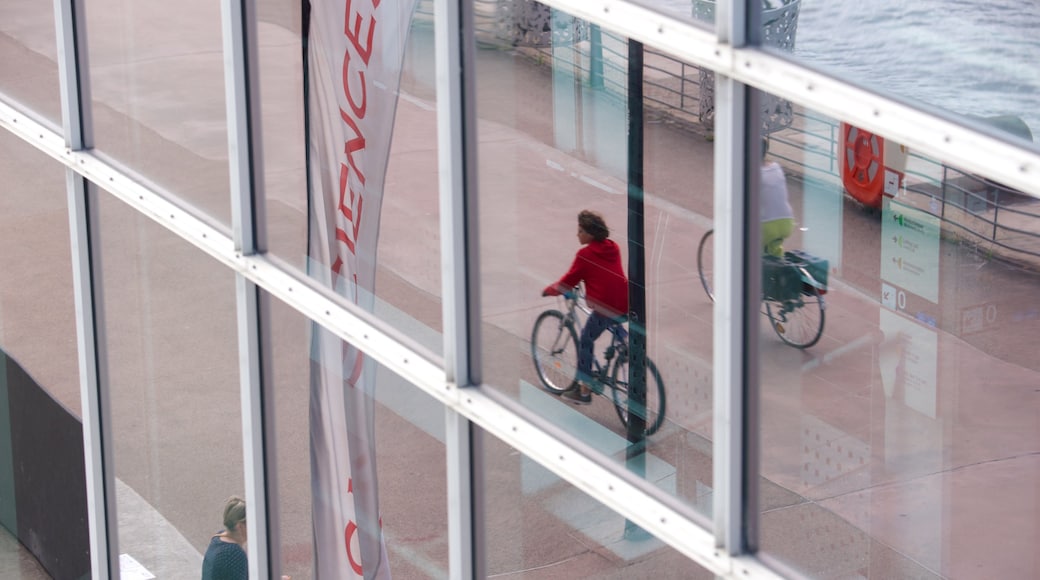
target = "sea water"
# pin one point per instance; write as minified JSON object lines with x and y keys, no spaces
{"x":970,"y":58}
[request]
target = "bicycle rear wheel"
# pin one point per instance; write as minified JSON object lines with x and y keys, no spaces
{"x":653,"y":411}
{"x":706,"y":262}
{"x":554,"y":349}
{"x":798,"y":322}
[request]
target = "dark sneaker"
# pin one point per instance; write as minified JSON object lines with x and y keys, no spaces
{"x":577,"y":398}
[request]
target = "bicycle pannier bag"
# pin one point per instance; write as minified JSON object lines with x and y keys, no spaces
{"x":816,"y":266}
{"x":780,"y":279}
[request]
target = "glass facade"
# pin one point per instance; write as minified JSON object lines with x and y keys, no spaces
{"x":822,"y":366}
{"x":38,"y":211}
{"x":29,"y":40}
{"x":876,"y":446}
{"x":173,"y":399}
{"x":157,"y":80}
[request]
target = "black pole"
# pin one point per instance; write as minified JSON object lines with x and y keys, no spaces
{"x":305,"y":31}
{"x":636,"y":453}
{"x":636,"y":247}
{"x":595,"y":57}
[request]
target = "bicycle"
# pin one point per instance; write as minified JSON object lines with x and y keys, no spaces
{"x":554,"y":350}
{"x":792,"y":297}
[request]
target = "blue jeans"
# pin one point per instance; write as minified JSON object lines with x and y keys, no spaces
{"x":594,"y":327}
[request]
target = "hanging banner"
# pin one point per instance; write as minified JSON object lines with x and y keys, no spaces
{"x":354,"y":51}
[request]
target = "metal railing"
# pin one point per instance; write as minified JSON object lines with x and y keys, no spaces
{"x":1011,"y":219}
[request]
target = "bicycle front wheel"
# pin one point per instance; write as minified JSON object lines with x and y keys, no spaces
{"x":705,"y":263}
{"x":799,"y":322}
{"x":554,"y":349}
{"x":652,"y":411}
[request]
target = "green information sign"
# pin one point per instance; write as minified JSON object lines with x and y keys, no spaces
{"x":910,"y":250}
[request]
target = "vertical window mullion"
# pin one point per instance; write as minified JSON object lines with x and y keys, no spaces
{"x":242,"y":94}
{"x":456,"y":130}
{"x":737,"y":259}
{"x":86,"y":279}
{"x":730,"y":312}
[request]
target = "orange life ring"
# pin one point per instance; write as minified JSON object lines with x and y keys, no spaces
{"x":863,"y":164}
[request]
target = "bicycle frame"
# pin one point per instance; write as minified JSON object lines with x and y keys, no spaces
{"x":618,"y":337}
{"x":554,"y":352}
{"x":792,"y":295}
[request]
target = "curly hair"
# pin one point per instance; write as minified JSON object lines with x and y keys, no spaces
{"x":593,"y":225}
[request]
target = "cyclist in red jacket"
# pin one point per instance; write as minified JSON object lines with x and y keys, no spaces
{"x":598,"y":264}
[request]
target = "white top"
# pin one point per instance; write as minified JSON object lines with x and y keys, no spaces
{"x":773,"y":200}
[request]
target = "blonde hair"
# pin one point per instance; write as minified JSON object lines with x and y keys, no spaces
{"x":234,"y":512}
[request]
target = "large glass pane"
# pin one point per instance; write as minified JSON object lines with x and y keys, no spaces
{"x":553,"y":143}
{"x":281,"y":80}
{"x":290,"y":367}
{"x":175,"y":404}
{"x":904,"y":442}
{"x":974,"y":59}
{"x":408,"y":275}
{"x":413,"y":478}
{"x":37,"y":314}
{"x":28,"y":50}
{"x":409,"y":457}
{"x":157,"y":83}
{"x":540,"y":526}
{"x":700,"y":12}
{"x":41,"y":442}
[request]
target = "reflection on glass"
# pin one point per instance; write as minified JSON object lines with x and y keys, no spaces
{"x":899,"y":445}
{"x":779,"y":16}
{"x":157,"y":82}
{"x":531,"y":23}
{"x":37,"y":315}
{"x":971,"y":58}
{"x":700,"y":12}
{"x":408,"y":277}
{"x":413,"y":488}
{"x":41,"y":435}
{"x":373,"y":228}
{"x":779,"y":30}
{"x":409,"y":447}
{"x":285,"y":179}
{"x":29,"y":53}
{"x":553,"y":142}
{"x":541,"y":526}
{"x":290,"y":366}
{"x":172,"y":359}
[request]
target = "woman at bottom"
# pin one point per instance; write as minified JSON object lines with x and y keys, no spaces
{"x":226,"y":556}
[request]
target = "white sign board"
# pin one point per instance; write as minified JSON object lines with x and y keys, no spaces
{"x":910,"y":249}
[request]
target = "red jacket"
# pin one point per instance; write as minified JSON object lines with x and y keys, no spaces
{"x":599,"y":265}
